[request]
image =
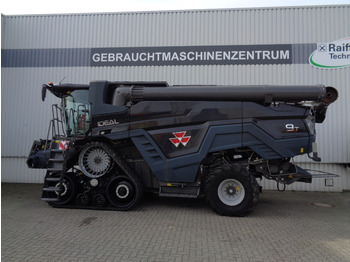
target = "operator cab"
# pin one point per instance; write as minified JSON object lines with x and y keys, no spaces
{"x":75,"y":106}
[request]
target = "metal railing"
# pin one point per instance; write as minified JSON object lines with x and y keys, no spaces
{"x":56,"y":125}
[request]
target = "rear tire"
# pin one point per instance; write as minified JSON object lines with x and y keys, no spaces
{"x":231,"y":190}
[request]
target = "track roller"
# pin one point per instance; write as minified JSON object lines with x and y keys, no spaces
{"x":123,"y":193}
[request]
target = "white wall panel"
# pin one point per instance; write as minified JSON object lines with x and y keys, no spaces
{"x":169,"y":28}
{"x":15,"y":170}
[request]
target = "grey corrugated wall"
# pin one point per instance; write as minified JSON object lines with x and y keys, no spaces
{"x":25,"y":117}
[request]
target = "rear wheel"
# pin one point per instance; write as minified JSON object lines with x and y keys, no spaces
{"x":231,"y":190}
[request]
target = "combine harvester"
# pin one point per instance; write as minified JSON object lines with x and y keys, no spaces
{"x":109,"y":142}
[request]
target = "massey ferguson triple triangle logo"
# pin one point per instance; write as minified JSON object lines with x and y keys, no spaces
{"x":180,"y":138}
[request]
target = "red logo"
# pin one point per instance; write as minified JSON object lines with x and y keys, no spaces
{"x":63,"y":145}
{"x":180,"y":138}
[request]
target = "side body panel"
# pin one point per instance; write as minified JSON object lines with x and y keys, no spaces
{"x":275,"y":132}
{"x":174,"y":137}
{"x":184,"y":168}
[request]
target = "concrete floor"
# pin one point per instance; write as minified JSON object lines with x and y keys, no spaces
{"x":289,"y":226}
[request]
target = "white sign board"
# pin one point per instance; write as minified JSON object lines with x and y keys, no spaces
{"x":331,"y":55}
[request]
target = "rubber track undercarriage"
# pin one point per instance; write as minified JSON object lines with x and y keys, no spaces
{"x":106,"y":182}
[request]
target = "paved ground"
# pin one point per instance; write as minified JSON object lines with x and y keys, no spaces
{"x":284,"y":227}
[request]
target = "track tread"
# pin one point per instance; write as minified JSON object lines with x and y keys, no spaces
{"x":126,"y":170}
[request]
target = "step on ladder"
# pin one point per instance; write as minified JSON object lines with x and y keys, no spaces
{"x":53,"y":183}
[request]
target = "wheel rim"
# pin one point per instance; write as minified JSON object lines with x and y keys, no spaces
{"x":82,"y":199}
{"x":99,"y":200}
{"x":68,"y":190}
{"x":121,"y":192}
{"x":231,"y":192}
{"x":64,"y":188}
{"x":94,"y":161}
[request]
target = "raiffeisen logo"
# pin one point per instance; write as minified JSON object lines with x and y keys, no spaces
{"x":331,"y":55}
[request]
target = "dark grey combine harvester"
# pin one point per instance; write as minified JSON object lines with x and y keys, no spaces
{"x":113,"y":141}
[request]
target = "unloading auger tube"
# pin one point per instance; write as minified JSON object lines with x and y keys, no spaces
{"x":259,"y":94}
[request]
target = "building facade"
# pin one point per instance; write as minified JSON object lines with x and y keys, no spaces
{"x":265,"y":46}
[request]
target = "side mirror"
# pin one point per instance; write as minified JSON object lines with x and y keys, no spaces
{"x":43,"y":92}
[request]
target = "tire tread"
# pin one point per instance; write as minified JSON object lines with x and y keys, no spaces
{"x":226,"y":170}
